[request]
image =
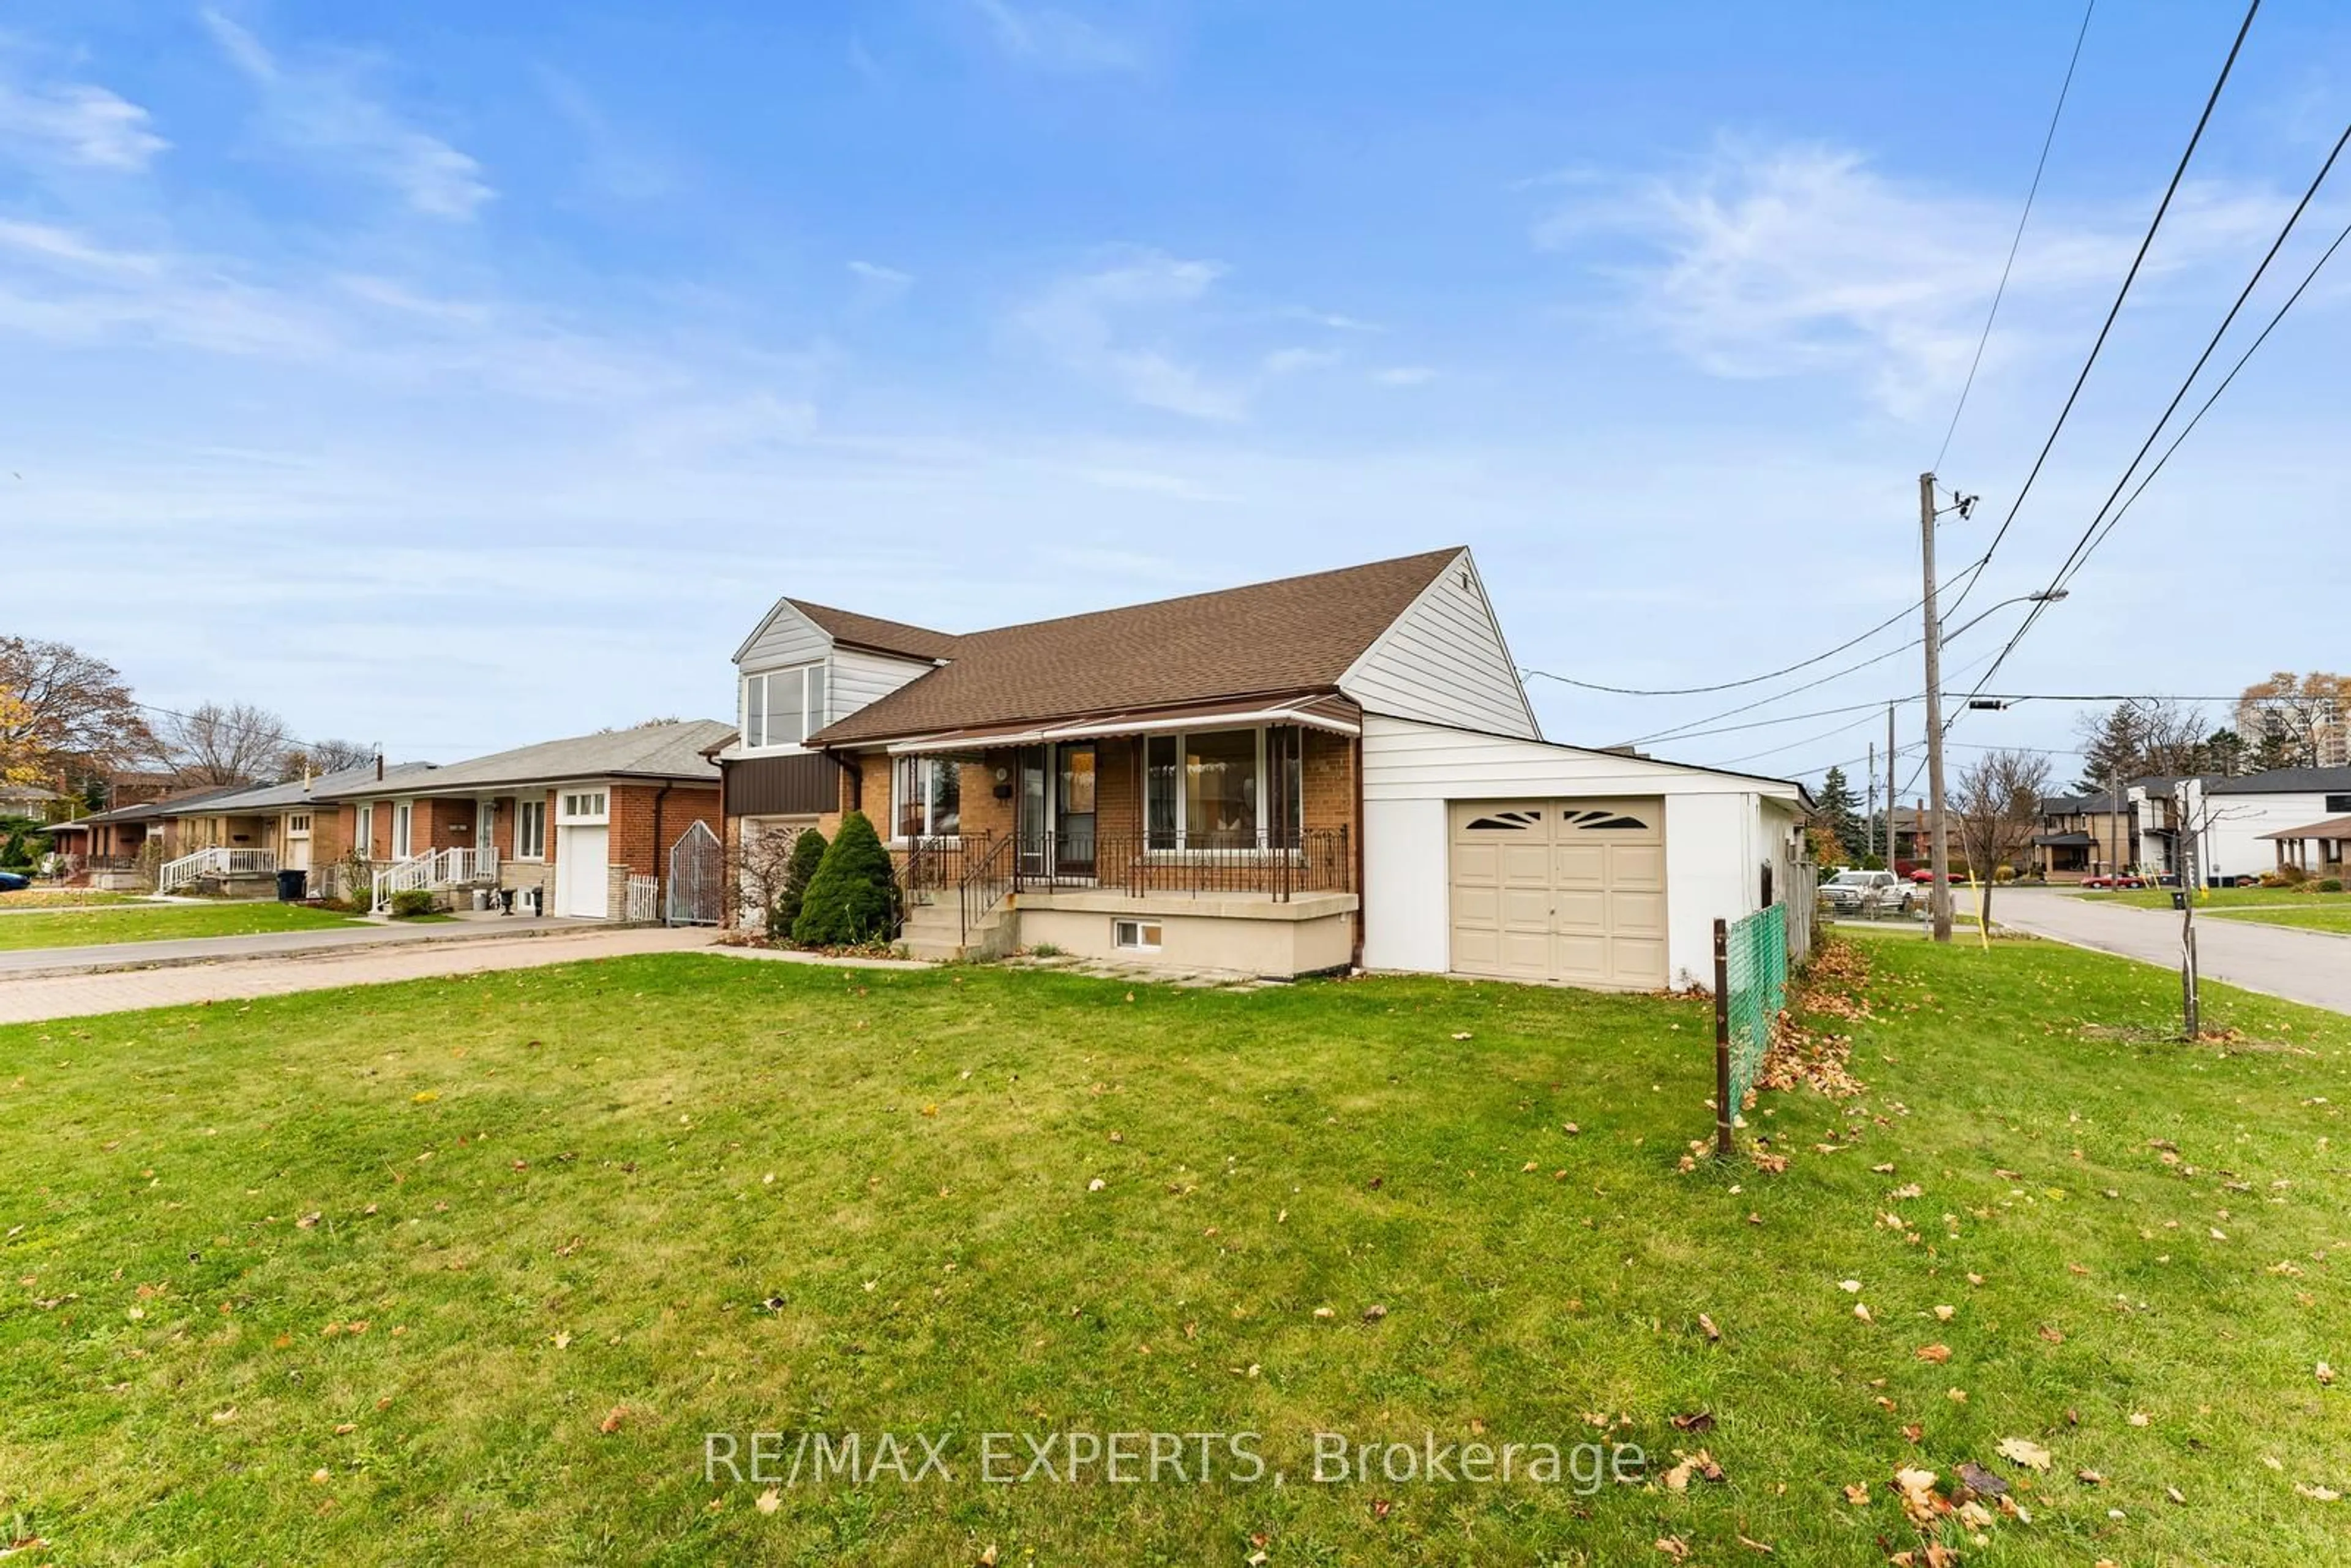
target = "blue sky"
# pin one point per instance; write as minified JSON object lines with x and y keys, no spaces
{"x":452,"y":376}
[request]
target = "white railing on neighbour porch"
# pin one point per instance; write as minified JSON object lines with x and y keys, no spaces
{"x":644,"y":898}
{"x":454,"y":866}
{"x":214,"y":860}
{"x":401,"y":876}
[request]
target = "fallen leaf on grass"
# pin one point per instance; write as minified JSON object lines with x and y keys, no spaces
{"x":2326,"y":1375}
{"x":1705,"y":1326}
{"x":1919,"y":1500}
{"x":768,"y":1502}
{"x":2054,"y":1336}
{"x":2024,"y":1452}
{"x":1861,"y":1311}
{"x":1697,"y":1421}
{"x":1857,"y":1494}
{"x":1981,"y":1481}
{"x":1945,"y":1315}
{"x":1674,"y":1546}
{"x":2317,"y":1494}
{"x":611,"y":1422}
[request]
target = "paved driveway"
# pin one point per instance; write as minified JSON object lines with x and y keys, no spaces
{"x":2300,"y":966}
{"x":31,"y":1000}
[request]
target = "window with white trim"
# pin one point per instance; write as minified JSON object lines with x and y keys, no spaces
{"x":297,"y":825}
{"x":1134,"y":935}
{"x":583,"y":808}
{"x":530,"y":829}
{"x":927,"y":793}
{"x":783,"y":707}
{"x":365,"y":842}
{"x":1224,"y":788}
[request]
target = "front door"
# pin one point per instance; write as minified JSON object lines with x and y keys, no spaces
{"x":1073,"y":810}
{"x":486,"y":823}
{"x":1033,"y":821}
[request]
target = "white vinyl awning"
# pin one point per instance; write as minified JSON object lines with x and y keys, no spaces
{"x":1312,"y":713}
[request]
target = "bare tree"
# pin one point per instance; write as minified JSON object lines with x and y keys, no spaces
{"x":327,"y":757}
{"x":226,"y":745}
{"x":758,"y":867}
{"x":65,"y":715}
{"x":2294,"y":717}
{"x":1998,"y":808}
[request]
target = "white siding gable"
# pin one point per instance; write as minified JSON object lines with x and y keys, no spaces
{"x":1444,"y":661}
{"x":785,"y":637}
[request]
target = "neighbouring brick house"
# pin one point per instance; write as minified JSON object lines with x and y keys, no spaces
{"x":565,"y":825}
{"x":1334,"y":770}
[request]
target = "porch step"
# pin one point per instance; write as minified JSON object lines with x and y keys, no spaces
{"x":935,"y":932}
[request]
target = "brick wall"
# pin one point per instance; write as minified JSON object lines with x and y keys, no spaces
{"x":1328,"y":766}
{"x":632,"y":842}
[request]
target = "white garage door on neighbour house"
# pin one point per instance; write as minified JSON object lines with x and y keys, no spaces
{"x":582,"y":832}
{"x":1565,"y":890}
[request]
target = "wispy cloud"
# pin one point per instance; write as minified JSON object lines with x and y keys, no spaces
{"x":1117,"y":325}
{"x":876,"y":285}
{"x":1055,"y":40}
{"x":78,"y":123}
{"x":1290,"y":362}
{"x":612,"y":163}
{"x":1403,"y":376}
{"x":322,"y":110}
{"x":1762,"y":262}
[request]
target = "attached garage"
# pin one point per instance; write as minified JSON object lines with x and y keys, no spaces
{"x":1563,"y":890}
{"x":1508,"y":858}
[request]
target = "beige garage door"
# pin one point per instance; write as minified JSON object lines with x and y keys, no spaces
{"x":1560,"y":890}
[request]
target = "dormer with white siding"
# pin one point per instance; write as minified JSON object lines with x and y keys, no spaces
{"x":807,"y":665}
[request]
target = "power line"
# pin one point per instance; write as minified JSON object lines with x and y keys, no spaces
{"x":2146,"y":242}
{"x":2016,"y":240}
{"x":2084,"y":545}
{"x":1907,"y":611}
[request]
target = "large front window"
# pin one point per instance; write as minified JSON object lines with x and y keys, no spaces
{"x":929,"y":795}
{"x":783,"y":707}
{"x":530,"y":829}
{"x":1223,"y":789}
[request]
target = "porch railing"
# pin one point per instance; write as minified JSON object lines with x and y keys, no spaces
{"x":401,"y":876}
{"x":987,"y":878}
{"x":1274,"y":866}
{"x":214,"y":860}
{"x":474,"y":863}
{"x":936,"y":865}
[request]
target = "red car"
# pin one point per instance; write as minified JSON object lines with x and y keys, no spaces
{"x":2110,"y":881}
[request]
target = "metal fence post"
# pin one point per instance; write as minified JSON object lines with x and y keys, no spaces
{"x":1721,"y":1038}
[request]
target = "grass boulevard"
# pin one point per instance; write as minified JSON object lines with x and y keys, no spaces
{"x":67,"y":927}
{"x":488,"y":1269}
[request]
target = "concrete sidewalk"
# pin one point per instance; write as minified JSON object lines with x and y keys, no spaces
{"x":29,"y":962}
{"x":78,"y":995}
{"x":2309,"y":966}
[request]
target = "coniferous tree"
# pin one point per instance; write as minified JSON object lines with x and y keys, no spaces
{"x":853,"y":897}
{"x":1841,"y":814}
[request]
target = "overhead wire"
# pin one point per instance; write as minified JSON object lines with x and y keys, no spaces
{"x":2016,"y":240}
{"x":2146,"y":242}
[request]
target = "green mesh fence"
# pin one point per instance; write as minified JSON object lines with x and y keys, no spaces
{"x":1755,"y":990}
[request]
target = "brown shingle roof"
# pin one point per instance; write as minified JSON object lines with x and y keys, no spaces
{"x":1298,"y":634}
{"x":881,"y":636}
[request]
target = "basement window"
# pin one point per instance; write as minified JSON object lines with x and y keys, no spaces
{"x":1134,"y":935}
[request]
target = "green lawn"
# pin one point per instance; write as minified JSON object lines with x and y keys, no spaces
{"x":2334,"y":916}
{"x":465,"y":1269}
{"x":160,"y":922}
{"x":38,"y":897}
{"x":2218,"y":898}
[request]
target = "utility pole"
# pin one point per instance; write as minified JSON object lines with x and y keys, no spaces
{"x":1869,"y":823}
{"x":1893,"y":842}
{"x":1939,"y":894}
{"x":2191,"y":1011}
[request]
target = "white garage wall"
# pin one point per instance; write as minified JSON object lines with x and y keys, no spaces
{"x":1720,"y":829}
{"x":2234,"y":845}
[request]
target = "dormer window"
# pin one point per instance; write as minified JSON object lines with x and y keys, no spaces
{"x":783,"y":707}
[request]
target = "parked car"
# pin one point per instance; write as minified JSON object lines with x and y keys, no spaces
{"x":13,"y":882}
{"x":1867,"y":893}
{"x":2107,"y":879}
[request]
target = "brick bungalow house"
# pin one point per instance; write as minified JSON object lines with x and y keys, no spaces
{"x":1334,"y":770}
{"x":564,"y":824}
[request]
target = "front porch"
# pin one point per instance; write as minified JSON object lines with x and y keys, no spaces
{"x":1230,"y":849}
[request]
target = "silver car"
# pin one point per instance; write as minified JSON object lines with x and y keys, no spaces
{"x":1867,"y":893}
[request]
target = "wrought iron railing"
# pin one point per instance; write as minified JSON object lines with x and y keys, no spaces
{"x":987,"y":878}
{"x":1275,"y":866}
{"x":937,"y":864}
